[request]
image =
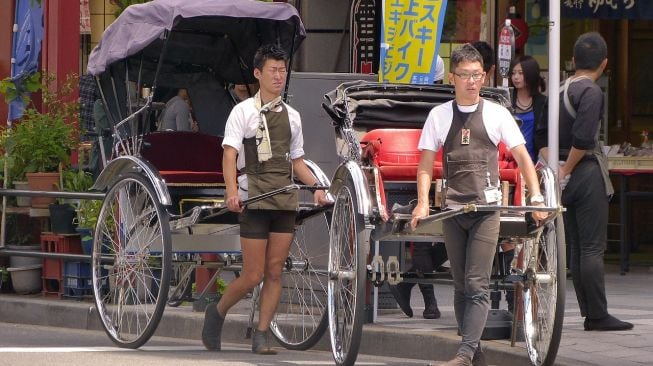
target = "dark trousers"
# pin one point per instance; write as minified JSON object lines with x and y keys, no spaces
{"x":427,"y":257}
{"x":586,"y":223}
{"x":471,"y":241}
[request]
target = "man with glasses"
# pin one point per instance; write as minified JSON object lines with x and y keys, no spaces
{"x":469,"y":130}
{"x":263,"y":139}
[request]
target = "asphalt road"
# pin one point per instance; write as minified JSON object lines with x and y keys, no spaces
{"x":36,"y":345}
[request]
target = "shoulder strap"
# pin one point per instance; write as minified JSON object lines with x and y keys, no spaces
{"x":565,"y":96}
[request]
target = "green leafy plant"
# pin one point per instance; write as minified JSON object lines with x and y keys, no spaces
{"x":42,"y":140}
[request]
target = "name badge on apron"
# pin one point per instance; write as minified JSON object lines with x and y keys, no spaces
{"x":465,"y":136}
{"x":492,"y":195}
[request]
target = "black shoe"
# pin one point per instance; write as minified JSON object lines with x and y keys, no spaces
{"x":401,"y":292}
{"x":607,"y":323}
{"x":431,"y":311}
{"x":212,"y":330}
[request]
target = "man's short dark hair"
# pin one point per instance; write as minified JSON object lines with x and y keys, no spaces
{"x":465,"y":53}
{"x":269,"y":52}
{"x":589,"y":51}
{"x":486,"y":52}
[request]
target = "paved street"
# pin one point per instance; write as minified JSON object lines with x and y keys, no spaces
{"x":37,"y":345}
{"x":394,"y":339}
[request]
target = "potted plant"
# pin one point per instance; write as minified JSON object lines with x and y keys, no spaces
{"x":43,"y":140}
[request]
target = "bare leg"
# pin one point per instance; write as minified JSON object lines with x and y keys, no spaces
{"x":253,"y":251}
{"x":276,"y":254}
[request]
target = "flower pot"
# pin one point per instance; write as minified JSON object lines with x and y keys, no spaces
{"x":61,"y":218}
{"x":18,"y":261}
{"x":26,"y":280}
{"x":22,"y":201}
{"x":42,"y":182}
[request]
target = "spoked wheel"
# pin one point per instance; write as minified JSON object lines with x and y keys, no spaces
{"x":131,"y":261}
{"x":348,"y":253}
{"x":543,"y":295}
{"x":301,"y":317}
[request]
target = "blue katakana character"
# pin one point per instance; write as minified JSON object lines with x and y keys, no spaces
{"x":404,"y":70}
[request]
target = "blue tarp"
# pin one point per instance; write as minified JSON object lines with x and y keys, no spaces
{"x":26,"y":49}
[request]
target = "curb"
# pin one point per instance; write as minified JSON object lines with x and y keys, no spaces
{"x":181,"y":323}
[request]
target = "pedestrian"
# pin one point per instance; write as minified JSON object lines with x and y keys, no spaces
{"x":528,"y":102}
{"x":469,"y":129}
{"x":586,"y":183}
{"x":263,"y":140}
{"x":489,"y":65}
{"x":427,"y":258}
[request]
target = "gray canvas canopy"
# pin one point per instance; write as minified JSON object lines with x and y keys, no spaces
{"x":199,"y":45}
{"x":221,"y":35}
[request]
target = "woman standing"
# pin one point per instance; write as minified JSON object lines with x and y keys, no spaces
{"x":529,"y":103}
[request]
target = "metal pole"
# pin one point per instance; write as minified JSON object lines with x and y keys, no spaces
{"x":554,"y":84}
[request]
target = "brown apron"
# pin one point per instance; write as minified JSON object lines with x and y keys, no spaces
{"x":470,"y":164}
{"x":263,"y":177}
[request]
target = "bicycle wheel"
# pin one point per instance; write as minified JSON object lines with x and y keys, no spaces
{"x":348,"y":251}
{"x":543,"y":295}
{"x":131,"y":282}
{"x":301,"y":318}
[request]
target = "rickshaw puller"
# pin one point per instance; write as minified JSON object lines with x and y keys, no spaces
{"x":260,"y":134}
{"x":469,"y":130}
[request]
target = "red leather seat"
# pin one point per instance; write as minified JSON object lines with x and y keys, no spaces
{"x":395,"y":153}
{"x":185,"y":158}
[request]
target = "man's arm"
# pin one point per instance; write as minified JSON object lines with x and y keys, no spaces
{"x":229,"y":173}
{"x":424,"y":175}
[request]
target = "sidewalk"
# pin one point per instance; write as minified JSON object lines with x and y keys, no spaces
{"x":395,"y":335}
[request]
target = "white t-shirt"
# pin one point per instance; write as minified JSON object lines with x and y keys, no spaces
{"x":243,"y":122}
{"x":498,"y":122}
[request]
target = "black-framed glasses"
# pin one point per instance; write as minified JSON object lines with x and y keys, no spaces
{"x":475,"y":76}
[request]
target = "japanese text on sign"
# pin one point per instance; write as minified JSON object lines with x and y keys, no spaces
{"x":596,"y":5}
{"x":410,"y":41}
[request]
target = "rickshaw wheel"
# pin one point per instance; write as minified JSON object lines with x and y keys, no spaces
{"x":543,"y":295}
{"x":131,"y":283}
{"x":301,"y":320}
{"x":348,"y":252}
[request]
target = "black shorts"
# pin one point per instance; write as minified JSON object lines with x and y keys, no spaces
{"x":258,"y":224}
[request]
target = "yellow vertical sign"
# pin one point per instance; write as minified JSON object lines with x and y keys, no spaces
{"x":411,"y":31}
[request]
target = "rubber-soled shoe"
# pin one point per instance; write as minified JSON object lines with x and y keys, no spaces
{"x":431,"y":311}
{"x":260,"y":344}
{"x":401,"y":293}
{"x":212,"y":329}
{"x":479,"y":357}
{"x":607,"y":323}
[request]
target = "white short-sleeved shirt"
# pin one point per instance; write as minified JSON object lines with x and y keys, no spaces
{"x":498,"y":122}
{"x":243,"y":122}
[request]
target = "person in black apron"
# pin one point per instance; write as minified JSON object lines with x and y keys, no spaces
{"x":469,"y":130}
{"x":586,"y":181}
{"x":263,"y":139}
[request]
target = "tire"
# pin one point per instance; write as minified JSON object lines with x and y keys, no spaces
{"x":543,"y":295}
{"x":301,"y":318}
{"x":131,"y":288}
{"x":348,"y":251}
